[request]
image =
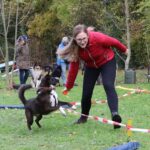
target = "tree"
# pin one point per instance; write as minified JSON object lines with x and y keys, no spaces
{"x":128,"y":35}
{"x":139,"y":35}
{"x":47,"y":21}
{"x":45,"y":27}
{"x":9,"y":17}
{"x":6,"y":26}
{"x":145,"y":10}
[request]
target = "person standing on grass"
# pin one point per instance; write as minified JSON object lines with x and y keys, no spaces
{"x":94,"y":48}
{"x":62,"y":62}
{"x":22,"y":58}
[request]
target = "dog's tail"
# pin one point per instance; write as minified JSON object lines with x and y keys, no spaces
{"x":21,"y":92}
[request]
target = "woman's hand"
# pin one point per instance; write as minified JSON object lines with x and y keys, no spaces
{"x":65,"y":91}
{"x":127,"y":52}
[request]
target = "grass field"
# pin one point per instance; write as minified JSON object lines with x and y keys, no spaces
{"x":59,"y":133}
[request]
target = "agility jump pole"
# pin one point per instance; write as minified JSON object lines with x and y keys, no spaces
{"x":138,"y":90}
{"x":96,"y":118}
{"x":105,"y":101}
{"x":11,"y":107}
{"x":73,"y":103}
{"x":110,"y":122}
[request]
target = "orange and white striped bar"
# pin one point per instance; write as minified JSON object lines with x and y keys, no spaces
{"x":103,"y":101}
{"x":110,"y":122}
{"x":138,"y":90}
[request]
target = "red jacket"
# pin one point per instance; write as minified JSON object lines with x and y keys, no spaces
{"x":97,"y":53}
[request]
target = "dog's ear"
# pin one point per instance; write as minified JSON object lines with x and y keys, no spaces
{"x":47,"y":69}
{"x":36,"y":64}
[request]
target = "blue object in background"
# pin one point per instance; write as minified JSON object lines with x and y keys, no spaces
{"x":11,"y":107}
{"x":23,"y":37}
{"x":127,"y":146}
{"x":10,"y":63}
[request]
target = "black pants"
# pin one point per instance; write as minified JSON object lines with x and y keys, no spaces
{"x":108,"y":73}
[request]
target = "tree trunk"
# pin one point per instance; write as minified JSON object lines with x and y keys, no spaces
{"x":128,"y":35}
{"x":16,"y":30}
{"x":0,"y":5}
{"x":6,"y":44}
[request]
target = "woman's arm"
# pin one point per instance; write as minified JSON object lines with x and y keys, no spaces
{"x":110,"y":42}
{"x":72,"y":74}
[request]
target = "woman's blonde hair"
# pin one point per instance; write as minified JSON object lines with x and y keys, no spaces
{"x":70,"y":52}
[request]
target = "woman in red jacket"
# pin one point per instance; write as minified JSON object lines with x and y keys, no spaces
{"x":94,"y":48}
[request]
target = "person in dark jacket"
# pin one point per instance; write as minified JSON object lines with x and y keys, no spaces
{"x":23,"y":58}
{"x":94,"y":48}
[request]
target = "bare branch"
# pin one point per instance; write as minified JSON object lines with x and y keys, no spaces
{"x":148,"y":53}
{"x":6,"y":42}
{"x":2,"y":54}
{"x":116,"y":25}
{"x":0,"y":5}
{"x":16,"y":29}
{"x":24,"y":17}
{"x":9,"y":14}
{"x":1,"y":34}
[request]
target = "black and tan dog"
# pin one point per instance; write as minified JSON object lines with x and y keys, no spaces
{"x":44,"y":103}
{"x":56,"y":74}
{"x":37,"y":70}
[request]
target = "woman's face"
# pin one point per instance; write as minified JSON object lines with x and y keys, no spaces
{"x":82,"y":39}
{"x":22,"y":42}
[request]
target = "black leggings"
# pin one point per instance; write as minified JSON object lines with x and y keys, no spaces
{"x":108,"y":73}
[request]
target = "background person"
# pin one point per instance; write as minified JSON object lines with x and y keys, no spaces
{"x":61,"y":62}
{"x":23,"y":58}
{"x":94,"y":48}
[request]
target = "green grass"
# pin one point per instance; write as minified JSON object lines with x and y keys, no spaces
{"x":59,"y":133}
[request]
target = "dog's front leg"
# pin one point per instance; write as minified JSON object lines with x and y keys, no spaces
{"x":38,"y":118}
{"x":61,"y":109}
